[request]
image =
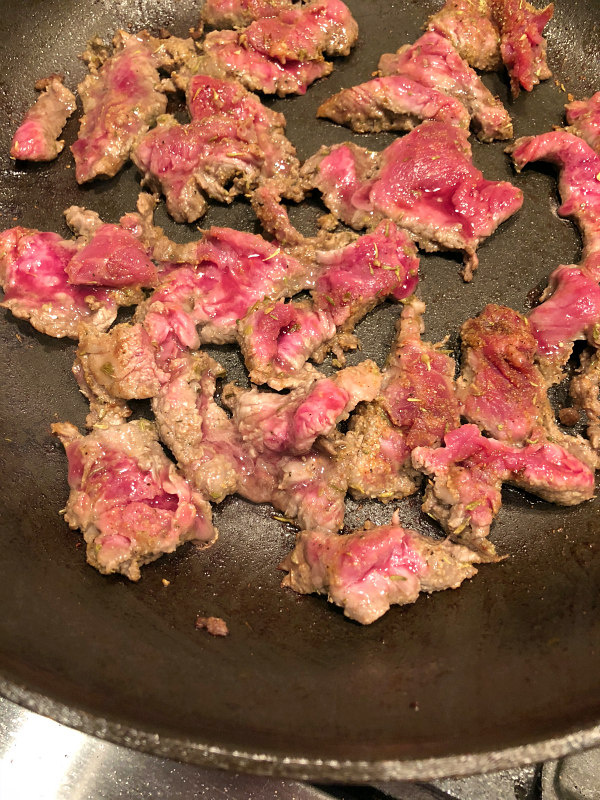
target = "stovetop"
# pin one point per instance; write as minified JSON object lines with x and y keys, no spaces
{"x":43,"y":760}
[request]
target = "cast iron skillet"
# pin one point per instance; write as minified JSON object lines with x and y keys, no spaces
{"x":503,"y":671}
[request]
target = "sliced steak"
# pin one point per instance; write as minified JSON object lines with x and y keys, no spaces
{"x":424,"y":181}
{"x":256,"y":71}
{"x":36,"y":137}
{"x":585,"y":391}
{"x":233,"y":145}
{"x":469,"y":26}
{"x":128,"y":499}
{"x":289,"y":424}
{"x":367,"y":571}
{"x":433,"y":62}
{"x":239,"y":13}
{"x":468,"y":472}
{"x":303,"y":32}
{"x":33,"y":276}
{"x":522,"y":45}
{"x":416,"y":407}
{"x":583,"y":117}
{"x":392,"y":103}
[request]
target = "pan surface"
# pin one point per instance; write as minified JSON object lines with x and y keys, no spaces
{"x":504,"y":670}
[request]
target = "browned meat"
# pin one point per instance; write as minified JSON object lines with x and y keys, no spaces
{"x":128,"y":499}
{"x":468,"y":473}
{"x":392,"y":103}
{"x":522,"y":45}
{"x":214,"y":625}
{"x":239,"y":13}
{"x":434,"y":63}
{"x":468,"y":24}
{"x":122,"y":97}
{"x":367,"y":571}
{"x":416,"y":407}
{"x":424,"y":181}
{"x":585,"y":389}
{"x":583,"y":117}
{"x":233,"y":145}
{"x":289,"y":424}
{"x":36,"y":137}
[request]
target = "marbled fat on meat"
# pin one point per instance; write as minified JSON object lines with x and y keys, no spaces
{"x":367,"y":571}
{"x":128,"y":498}
{"x":36,"y":137}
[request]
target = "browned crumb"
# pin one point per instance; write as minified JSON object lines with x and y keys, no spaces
{"x":570,"y":97}
{"x":568,"y":416}
{"x":214,"y":625}
{"x":196,"y":33}
{"x":43,"y":83}
{"x":165,"y":582}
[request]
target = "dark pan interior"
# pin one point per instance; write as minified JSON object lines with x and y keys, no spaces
{"x":505,"y":669}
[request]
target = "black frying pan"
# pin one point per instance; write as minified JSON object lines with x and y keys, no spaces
{"x":502,"y":671}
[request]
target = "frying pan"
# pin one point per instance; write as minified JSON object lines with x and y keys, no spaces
{"x":505,"y":670}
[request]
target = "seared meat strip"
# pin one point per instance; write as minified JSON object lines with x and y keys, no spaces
{"x":367,"y":571}
{"x":434,"y":63}
{"x":392,"y":103}
{"x":303,"y":32}
{"x":572,"y":300}
{"x":230,"y":272}
{"x":36,"y":288}
{"x":36,"y":137}
{"x":416,"y":407}
{"x":121,"y":100}
{"x":290,"y":423}
{"x":522,"y":45}
{"x":278,"y":338}
{"x":468,"y":472}
{"x":424,"y":181}
{"x":583,"y":117}
{"x":128,"y":499}
{"x":256,"y":71}
{"x":239,"y":13}
{"x":502,"y":389}
{"x":469,"y":26}
{"x":232,"y":145}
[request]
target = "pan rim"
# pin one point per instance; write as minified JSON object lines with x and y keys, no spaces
{"x":296,"y":767}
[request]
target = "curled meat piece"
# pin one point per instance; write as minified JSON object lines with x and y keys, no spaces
{"x":583,"y":117}
{"x":128,"y":499}
{"x":368,"y":570}
{"x":469,"y":26}
{"x":36,"y":137}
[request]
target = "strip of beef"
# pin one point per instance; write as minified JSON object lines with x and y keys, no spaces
{"x":571,"y":301}
{"x":112,"y":257}
{"x":36,"y":137}
{"x":522,"y":45}
{"x":239,"y":13}
{"x":416,"y":407}
{"x":469,"y":26}
{"x":367,"y":571}
{"x":585,"y":391}
{"x":128,"y":499}
{"x":501,"y":387}
{"x":278,"y":338}
{"x":303,"y":32}
{"x":231,"y":271}
{"x":583,"y":117}
{"x":433,"y":62}
{"x":290,"y":423}
{"x":231,"y":146}
{"x":424,"y":181}
{"x":33,"y":276}
{"x":273,"y":215}
{"x":392,"y":103}
{"x":121,"y":99}
{"x":256,"y":71}
{"x":215,"y":459}
{"x":467,"y":474}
